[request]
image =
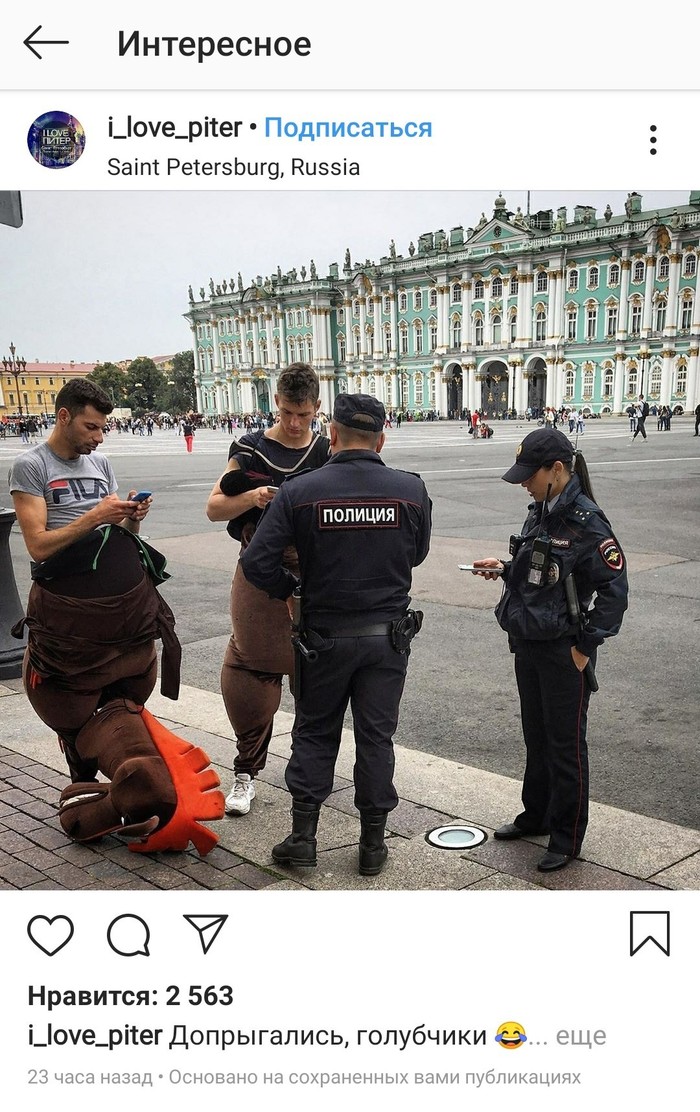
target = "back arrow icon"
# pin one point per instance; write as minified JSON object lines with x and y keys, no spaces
{"x":42,"y":42}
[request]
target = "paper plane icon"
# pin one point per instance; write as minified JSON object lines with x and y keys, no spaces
{"x":207,"y":927}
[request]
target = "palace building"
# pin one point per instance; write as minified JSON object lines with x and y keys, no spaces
{"x":525,"y":309}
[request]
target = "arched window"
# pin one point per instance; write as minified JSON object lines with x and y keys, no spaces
{"x":432,"y":298}
{"x":387,"y":339}
{"x":357,"y":341}
{"x":540,"y":325}
{"x":591,"y":320}
{"x":681,"y":385}
{"x":608,"y":381}
{"x":513,"y":284}
{"x":569,"y":383}
{"x":614,"y":274}
{"x":573,"y":281}
{"x":341,"y":348}
{"x":432,"y":324}
{"x":686,"y":313}
{"x":513,"y":325}
{"x":418,"y":338}
{"x":611,"y":320}
{"x":660,"y":314}
{"x":403,"y":337}
{"x":496,"y":322}
{"x":639,"y":271}
{"x":593,"y":277}
{"x":588,"y":383}
{"x":478,"y":290}
{"x":655,"y":378}
{"x":387,"y":305}
{"x":356,"y":308}
{"x":636,"y":318}
{"x":403,"y":301}
{"x":478,"y":331}
{"x":341,"y":316}
{"x":417,"y":300}
{"x":571,"y":322}
{"x":542,"y":283}
{"x":300,"y":318}
{"x":456,"y":331}
{"x":497,"y":287}
{"x":456,"y":292}
{"x":418,"y":388}
{"x":307,"y":317}
{"x":664,"y":267}
{"x":373,"y":386}
{"x":690,"y":267}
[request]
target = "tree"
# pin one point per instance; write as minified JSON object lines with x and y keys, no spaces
{"x":181,"y":391}
{"x":144,"y":385}
{"x":112,"y":380}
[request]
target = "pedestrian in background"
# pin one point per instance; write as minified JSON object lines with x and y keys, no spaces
{"x":565,"y":591}
{"x":188,"y":432}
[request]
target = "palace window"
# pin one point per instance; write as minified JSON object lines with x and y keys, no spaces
{"x":588,"y":384}
{"x":593,"y":277}
{"x":387,"y":305}
{"x":573,"y":282}
{"x":478,"y":290}
{"x":403,"y":302}
{"x":664,"y":267}
{"x":432,"y":298}
{"x":540,"y":325}
{"x":478,"y":332}
{"x":639,"y":271}
{"x":660,"y":315}
{"x":356,"y":308}
{"x":456,"y":292}
{"x":655,"y":379}
{"x":513,"y":326}
{"x":417,"y":300}
{"x":497,"y":287}
{"x":418,"y":338}
{"x":571,"y":323}
{"x":403,"y":338}
{"x":608,"y":381}
{"x":496,"y":322}
{"x":341,"y":316}
{"x":456,"y":332}
{"x":418,"y":389}
{"x":387,"y":340}
{"x":542,"y":281}
{"x":636,"y":318}
{"x":614,"y":274}
{"x":686,"y":313}
{"x":611,"y":321}
{"x":433,"y":335}
{"x":681,"y":381}
{"x":591,"y":321}
{"x":632,"y":382}
{"x":514,"y":284}
{"x":373,"y":386}
{"x":341,"y":349}
{"x":569,"y":383}
{"x":356,"y":337}
{"x":691,"y":266}
{"x":389,"y":391}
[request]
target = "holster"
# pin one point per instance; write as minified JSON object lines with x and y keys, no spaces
{"x":404,"y":629}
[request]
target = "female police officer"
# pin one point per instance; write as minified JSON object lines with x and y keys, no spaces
{"x":565,"y":555}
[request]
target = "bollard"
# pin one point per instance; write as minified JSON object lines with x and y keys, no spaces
{"x":11,"y":649}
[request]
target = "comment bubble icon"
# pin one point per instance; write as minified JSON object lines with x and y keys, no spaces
{"x":129,"y":935}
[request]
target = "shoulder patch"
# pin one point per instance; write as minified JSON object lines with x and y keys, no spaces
{"x":611,"y":554}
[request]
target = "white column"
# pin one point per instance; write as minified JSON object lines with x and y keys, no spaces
{"x":692,"y":397}
{"x":282,"y":317}
{"x":466,"y":312}
{"x":552,"y":298}
{"x":666,"y":378}
{"x":648,"y":296}
{"x":619,"y":383}
{"x":622,"y":317}
{"x":363,"y":326}
{"x":394,"y":325}
{"x":247,"y":405}
{"x":377,"y":338}
{"x":215,"y":344}
{"x":487,"y":307}
{"x":673,"y":284}
{"x":231,"y":395}
{"x":256,"y":341}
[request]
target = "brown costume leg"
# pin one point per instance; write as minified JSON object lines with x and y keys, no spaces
{"x":258,"y":654}
{"x":67,"y":704}
{"x":141,"y":795}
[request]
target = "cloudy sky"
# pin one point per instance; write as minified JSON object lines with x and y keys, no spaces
{"x":103,"y":275}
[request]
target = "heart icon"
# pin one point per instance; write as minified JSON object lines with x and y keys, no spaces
{"x":50,"y":935}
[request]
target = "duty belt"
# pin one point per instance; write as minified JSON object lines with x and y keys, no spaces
{"x":380,"y":629}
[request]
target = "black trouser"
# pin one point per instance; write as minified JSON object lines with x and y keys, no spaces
{"x":554,"y":699}
{"x":640,"y":428}
{"x":370,"y":674}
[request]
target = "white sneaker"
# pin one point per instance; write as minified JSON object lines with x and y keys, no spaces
{"x":242,"y":794}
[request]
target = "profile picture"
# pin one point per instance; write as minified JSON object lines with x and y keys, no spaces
{"x":56,"y":140}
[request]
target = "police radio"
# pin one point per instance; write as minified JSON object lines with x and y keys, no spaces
{"x":541,"y":551}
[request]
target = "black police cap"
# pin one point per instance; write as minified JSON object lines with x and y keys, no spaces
{"x":359,"y":411}
{"x":539,"y":447}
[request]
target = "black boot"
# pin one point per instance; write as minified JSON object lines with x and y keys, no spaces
{"x":373,"y":851}
{"x":299,"y":848}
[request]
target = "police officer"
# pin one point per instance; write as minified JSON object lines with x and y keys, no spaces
{"x":567,"y":554}
{"x":359,"y":528}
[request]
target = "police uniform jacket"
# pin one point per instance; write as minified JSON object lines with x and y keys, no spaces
{"x":583,"y":544}
{"x":359,"y":528}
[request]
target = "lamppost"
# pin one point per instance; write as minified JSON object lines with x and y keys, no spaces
{"x":15,"y":367}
